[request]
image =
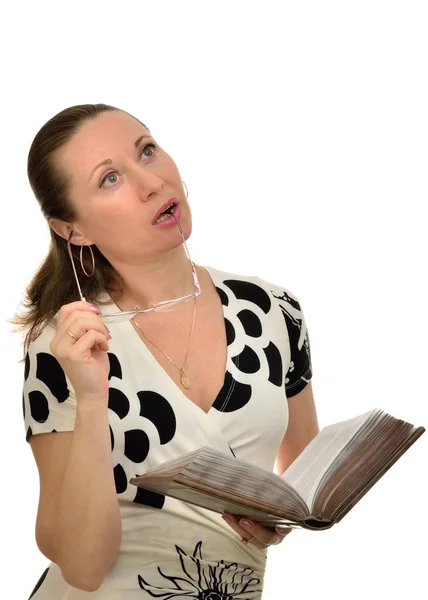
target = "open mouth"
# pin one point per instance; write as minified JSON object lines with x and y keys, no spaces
{"x":169,"y":210}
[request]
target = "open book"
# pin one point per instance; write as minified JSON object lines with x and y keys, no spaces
{"x":326,"y":480}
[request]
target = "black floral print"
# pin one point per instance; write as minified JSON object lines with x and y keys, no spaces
{"x":206,"y":581}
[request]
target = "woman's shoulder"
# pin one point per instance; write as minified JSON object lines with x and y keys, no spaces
{"x":254,"y":287}
{"x":41,"y":340}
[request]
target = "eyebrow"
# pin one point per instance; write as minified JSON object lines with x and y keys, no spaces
{"x":108,"y":161}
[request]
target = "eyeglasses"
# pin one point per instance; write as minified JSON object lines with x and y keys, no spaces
{"x":166,"y":305}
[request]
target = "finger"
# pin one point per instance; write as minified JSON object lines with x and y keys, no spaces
{"x":245,"y":533}
{"x":77,"y":324}
{"x":64,"y":320}
{"x":91,"y":340}
{"x":68,"y":309}
{"x":233,"y":522}
{"x":66,"y":342}
{"x":103,"y":347}
{"x":264,"y":535}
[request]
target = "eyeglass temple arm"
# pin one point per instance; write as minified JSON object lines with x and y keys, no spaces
{"x":195,"y":277}
{"x":74,"y":267}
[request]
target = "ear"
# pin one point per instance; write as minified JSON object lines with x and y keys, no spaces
{"x":63,"y":229}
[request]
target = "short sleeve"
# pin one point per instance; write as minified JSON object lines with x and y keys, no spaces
{"x":49,"y":403}
{"x":300,"y":367}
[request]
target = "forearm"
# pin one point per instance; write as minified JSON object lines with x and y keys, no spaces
{"x":83,"y":532}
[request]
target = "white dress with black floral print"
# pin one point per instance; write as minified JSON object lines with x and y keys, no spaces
{"x":170,"y":549}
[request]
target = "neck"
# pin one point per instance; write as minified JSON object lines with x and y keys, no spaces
{"x":164,"y":278}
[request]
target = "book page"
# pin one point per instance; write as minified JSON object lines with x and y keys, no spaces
{"x":231,"y":475}
{"x":216,"y":477}
{"x":305,"y":473}
{"x":209,"y":500}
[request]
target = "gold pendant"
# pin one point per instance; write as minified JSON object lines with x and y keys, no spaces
{"x":184,"y":379}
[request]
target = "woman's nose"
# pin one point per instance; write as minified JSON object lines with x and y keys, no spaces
{"x":148,"y":183}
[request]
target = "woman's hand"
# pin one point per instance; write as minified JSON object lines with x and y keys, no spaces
{"x":256,"y":534}
{"x":80,"y":345}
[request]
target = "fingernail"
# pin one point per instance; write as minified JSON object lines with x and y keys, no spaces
{"x":245,"y":524}
{"x":108,"y":330}
{"x":95,"y":309}
{"x":283,"y":530}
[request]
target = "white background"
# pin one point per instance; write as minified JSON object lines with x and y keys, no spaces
{"x":300,"y":129}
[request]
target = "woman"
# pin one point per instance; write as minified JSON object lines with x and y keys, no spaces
{"x":206,"y":358}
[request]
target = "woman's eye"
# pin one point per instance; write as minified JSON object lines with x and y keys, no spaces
{"x":147,"y":145}
{"x":113,"y":173}
{"x":108,"y":177}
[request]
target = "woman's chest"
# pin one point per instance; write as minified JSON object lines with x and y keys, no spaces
{"x":192,"y":352}
{"x":235,"y":399}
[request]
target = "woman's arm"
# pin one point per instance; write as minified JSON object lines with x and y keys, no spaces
{"x":302,"y":428}
{"x":78,"y":525}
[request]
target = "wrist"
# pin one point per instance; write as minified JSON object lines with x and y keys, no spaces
{"x":88,"y":404}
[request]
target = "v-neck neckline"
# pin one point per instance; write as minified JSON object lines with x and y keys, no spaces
{"x":141,"y":347}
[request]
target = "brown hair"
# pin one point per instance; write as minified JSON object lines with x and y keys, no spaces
{"x":53,"y":284}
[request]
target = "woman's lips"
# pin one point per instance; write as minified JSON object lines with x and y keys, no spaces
{"x":170,"y":219}
{"x":164,"y":207}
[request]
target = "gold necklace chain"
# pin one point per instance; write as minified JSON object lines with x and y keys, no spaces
{"x":183,"y":377}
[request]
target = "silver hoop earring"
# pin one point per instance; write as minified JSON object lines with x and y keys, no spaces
{"x":187,"y":191}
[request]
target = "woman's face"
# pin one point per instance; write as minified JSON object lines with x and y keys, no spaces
{"x":117,"y":202}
